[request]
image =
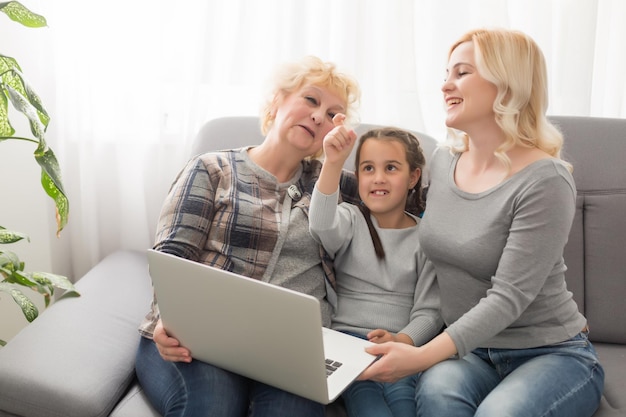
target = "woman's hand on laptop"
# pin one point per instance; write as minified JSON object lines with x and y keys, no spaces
{"x":169,"y":347}
{"x":395,"y":361}
{"x":398,"y":360}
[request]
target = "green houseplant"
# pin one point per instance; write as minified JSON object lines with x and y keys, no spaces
{"x":16,"y":90}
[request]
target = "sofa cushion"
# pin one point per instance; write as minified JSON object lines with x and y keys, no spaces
{"x":595,"y":254}
{"x":612,"y":357}
{"x":134,"y":404}
{"x":88,"y":376}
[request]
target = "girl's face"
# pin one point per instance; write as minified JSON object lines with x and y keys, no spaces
{"x":468,"y":96}
{"x":385,"y":178}
{"x":304,"y":117}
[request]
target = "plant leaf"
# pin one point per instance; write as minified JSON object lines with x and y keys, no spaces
{"x":69,"y":294}
{"x":50,"y":170}
{"x":25,"y":88}
{"x":32,"y":96}
{"x":29,"y":309}
{"x":9,"y":236}
{"x":21,"y":104}
{"x":54,"y":280}
{"x":52,"y":184}
{"x":12,"y":76}
{"x":25,"y":280}
{"x":18,"y":13}
{"x":9,"y":262}
{"x":7,"y":64}
{"x":5,"y":126}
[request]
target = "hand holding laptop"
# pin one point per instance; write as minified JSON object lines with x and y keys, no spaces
{"x":169,"y":347}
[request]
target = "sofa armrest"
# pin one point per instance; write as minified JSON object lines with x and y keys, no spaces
{"x":78,"y":357}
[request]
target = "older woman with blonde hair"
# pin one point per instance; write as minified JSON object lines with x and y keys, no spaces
{"x":231,"y":209}
{"x":500,"y":206}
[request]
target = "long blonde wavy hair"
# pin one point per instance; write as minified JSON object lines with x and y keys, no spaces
{"x":514,"y":62}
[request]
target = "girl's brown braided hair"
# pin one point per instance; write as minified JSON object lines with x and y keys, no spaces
{"x":415,"y":156}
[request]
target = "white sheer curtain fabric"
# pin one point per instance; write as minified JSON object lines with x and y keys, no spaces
{"x":134,"y":81}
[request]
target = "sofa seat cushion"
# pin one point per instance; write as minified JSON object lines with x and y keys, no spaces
{"x":88,"y":376}
{"x":134,"y":404}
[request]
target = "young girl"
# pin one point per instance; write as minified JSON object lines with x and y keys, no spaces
{"x":377,"y":272}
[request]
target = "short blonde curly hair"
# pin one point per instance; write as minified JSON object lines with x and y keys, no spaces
{"x":310,"y":71}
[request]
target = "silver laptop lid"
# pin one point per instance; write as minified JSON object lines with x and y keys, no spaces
{"x":262,"y":331}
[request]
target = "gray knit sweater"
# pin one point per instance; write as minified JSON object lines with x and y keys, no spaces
{"x":373,"y":293}
{"x":499,"y":256}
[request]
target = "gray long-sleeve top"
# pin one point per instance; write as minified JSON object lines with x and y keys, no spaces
{"x":499,"y":256}
{"x":398,"y":294}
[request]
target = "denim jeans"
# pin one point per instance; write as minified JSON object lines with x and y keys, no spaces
{"x":199,"y":389}
{"x":377,"y":399}
{"x":564,"y":379}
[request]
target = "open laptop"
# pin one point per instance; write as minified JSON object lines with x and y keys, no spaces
{"x":265,"y":332}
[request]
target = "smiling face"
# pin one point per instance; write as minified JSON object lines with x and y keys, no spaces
{"x":385,"y":179}
{"x":303,"y":118}
{"x":469,"y":98}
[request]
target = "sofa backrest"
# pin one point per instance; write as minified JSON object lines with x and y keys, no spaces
{"x":238,"y":131}
{"x":596,"y":251}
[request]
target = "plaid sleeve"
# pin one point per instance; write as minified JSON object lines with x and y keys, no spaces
{"x":187,"y":212}
{"x":146,"y":328}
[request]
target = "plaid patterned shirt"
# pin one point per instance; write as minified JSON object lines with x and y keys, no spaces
{"x":225,"y":211}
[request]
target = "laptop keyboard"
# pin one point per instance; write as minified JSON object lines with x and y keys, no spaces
{"x":331,"y":366}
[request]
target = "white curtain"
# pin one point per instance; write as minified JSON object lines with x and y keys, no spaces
{"x":133,"y":81}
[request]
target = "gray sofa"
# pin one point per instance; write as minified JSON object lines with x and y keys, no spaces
{"x":77,"y":358}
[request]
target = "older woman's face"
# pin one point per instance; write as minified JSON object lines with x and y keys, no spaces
{"x":305,"y":116}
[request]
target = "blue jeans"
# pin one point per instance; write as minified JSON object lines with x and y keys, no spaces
{"x":564,"y":379}
{"x":378,"y":399}
{"x":200,"y":389}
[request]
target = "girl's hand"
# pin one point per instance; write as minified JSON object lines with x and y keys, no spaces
{"x":169,"y":347}
{"x":339,"y":142}
{"x":382,"y":336}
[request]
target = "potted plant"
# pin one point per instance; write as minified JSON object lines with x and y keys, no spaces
{"x":16,"y":90}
